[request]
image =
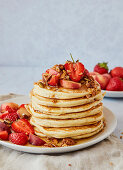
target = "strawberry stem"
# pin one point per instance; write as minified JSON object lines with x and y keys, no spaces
{"x":72,"y":58}
{"x":103,"y":65}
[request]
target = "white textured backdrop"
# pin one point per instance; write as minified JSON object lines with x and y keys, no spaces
{"x":35,"y":34}
{"x":44,"y":32}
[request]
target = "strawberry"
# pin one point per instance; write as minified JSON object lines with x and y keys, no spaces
{"x":121,"y":86}
{"x":9,"y":116}
{"x":22,"y":105}
{"x":115,"y":84}
{"x":22,"y":125}
{"x":18,"y":138}
{"x":2,"y":115}
{"x":4,"y":135}
{"x":102,"y":79}
{"x":10,"y":107}
{"x":54,"y":80}
{"x":86,"y":73}
{"x":51,"y":77}
{"x":70,"y":84}
{"x":117,"y":72}
{"x":51,"y":71}
{"x":101,"y":68}
{"x":4,"y":127}
{"x":74,"y":70}
{"x":35,"y":140}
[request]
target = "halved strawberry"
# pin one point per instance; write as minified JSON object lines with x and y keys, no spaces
{"x":22,"y":125}
{"x":9,"y":116}
{"x":4,"y":135}
{"x":18,"y":138}
{"x":74,"y":70}
{"x":54,"y":80}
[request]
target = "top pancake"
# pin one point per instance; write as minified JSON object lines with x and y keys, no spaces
{"x":62,"y":93}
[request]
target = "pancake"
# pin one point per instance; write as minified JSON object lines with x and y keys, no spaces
{"x":64,"y":132}
{"x":37,"y":132}
{"x":88,"y":134}
{"x":62,"y":93}
{"x":64,"y":102}
{"x":94,"y":110}
{"x":69,"y":122}
{"x":62,"y":110}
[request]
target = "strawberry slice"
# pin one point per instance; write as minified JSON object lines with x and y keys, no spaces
{"x":51,"y":71}
{"x":74,"y":70}
{"x":3,"y":115}
{"x":70,"y":84}
{"x":54,"y":80}
{"x":4,"y":127}
{"x":4,"y":135}
{"x":51,"y":77}
{"x":18,"y":138}
{"x":35,"y":140}
{"x":9,"y":116}
{"x":86,"y":73}
{"x":22,"y":125}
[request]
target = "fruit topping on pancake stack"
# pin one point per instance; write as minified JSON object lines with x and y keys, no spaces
{"x":66,"y":104}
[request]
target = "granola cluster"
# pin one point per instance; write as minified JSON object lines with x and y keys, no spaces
{"x":53,"y":142}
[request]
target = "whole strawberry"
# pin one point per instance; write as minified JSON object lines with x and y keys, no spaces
{"x":101,"y":68}
{"x":18,"y":138}
{"x":115,"y":84}
{"x":117,"y":72}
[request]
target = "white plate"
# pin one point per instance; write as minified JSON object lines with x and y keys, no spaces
{"x":111,"y":123}
{"x":117,"y":94}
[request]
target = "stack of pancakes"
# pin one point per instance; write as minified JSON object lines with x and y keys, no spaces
{"x":66,"y":113}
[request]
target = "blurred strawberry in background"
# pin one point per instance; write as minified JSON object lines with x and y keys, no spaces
{"x":101,"y":68}
{"x":111,"y":81}
{"x":117,"y":72}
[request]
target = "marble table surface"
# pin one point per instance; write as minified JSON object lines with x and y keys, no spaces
{"x":20,"y":80}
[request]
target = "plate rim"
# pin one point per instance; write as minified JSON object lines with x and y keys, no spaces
{"x":120,"y":92}
{"x":113,"y":94}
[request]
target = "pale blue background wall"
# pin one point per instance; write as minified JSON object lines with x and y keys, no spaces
{"x":36,"y":34}
{"x":44,"y":32}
